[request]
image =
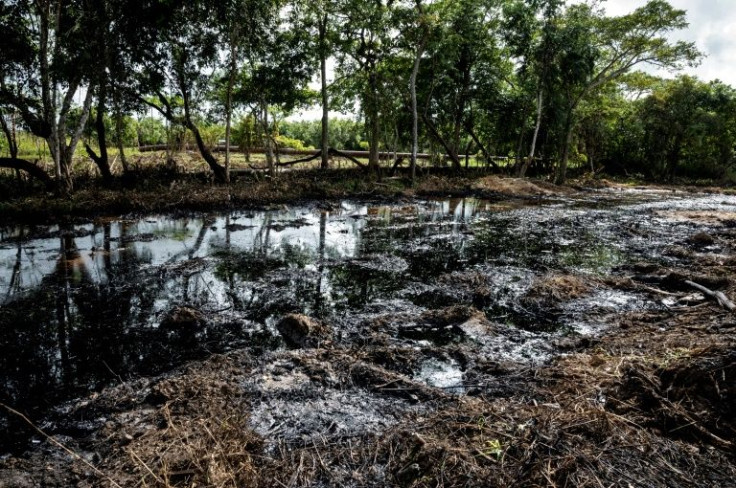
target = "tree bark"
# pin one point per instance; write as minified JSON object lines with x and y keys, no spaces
{"x":211,"y":161}
{"x":718,"y":296}
{"x":267,"y":141}
{"x":486,"y":154}
{"x":30,"y":168}
{"x":438,"y":137}
{"x":561,"y":175}
{"x":525,"y":166}
{"x":374,"y":125}
{"x":229,"y":99}
{"x":119,"y":127}
{"x":414,"y":111}
{"x":10,"y":137}
{"x":102,"y":161}
{"x":325,"y":142}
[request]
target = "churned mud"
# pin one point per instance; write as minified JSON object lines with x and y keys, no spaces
{"x":464,"y":342}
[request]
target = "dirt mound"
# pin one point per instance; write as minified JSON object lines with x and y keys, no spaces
{"x":544,"y":302}
{"x":301,"y":331}
{"x":701,"y":239}
{"x":515,"y":186}
{"x":183,"y":318}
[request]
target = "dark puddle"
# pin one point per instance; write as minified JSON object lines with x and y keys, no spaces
{"x":89,"y":306}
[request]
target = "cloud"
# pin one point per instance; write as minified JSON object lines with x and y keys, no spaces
{"x":712,"y":28}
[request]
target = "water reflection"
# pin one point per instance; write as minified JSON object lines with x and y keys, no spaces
{"x":83,"y":306}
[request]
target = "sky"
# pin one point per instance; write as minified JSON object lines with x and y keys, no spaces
{"x":712,"y":28}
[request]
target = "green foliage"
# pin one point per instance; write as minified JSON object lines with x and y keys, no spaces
{"x":684,"y":127}
{"x":344,"y":133}
{"x":244,"y":132}
{"x":151,"y":130}
{"x":287,"y":142}
{"x":485,"y":68}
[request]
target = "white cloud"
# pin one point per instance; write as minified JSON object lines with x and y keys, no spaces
{"x":712,"y":28}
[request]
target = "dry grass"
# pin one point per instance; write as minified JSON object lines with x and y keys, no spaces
{"x":516,"y":186}
{"x":560,"y":287}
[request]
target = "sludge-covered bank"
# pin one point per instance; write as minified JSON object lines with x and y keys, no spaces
{"x":451,"y":343}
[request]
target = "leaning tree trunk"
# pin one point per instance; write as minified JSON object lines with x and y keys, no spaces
{"x":102,"y":160}
{"x":525,"y":166}
{"x":211,"y":161}
{"x":217,"y":169}
{"x":28,"y":167}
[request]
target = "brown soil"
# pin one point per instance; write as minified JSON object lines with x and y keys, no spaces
{"x":710,"y":218}
{"x":156,"y":190}
{"x":518,"y":186}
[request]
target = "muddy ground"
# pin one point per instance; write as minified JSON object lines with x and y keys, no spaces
{"x":151,"y":188}
{"x":590,"y":369}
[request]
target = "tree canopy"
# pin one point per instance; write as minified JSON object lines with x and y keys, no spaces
{"x":536,"y":82}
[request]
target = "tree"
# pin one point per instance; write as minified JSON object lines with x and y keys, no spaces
{"x":600,"y":49}
{"x":464,"y":66}
{"x":689,"y":125}
{"x":245,"y":27}
{"x":276,"y":79}
{"x":531,"y":33}
{"x":317,"y":18}
{"x":365,"y":42}
{"x":42,"y":83}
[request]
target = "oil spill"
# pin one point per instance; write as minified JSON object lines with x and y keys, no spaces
{"x":85,"y":307}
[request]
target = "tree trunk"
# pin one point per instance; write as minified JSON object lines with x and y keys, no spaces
{"x":119,"y":127}
{"x":211,"y":161}
{"x":65,"y":152}
{"x":374,"y":126}
{"x":561,"y":175}
{"x":525,"y":166}
{"x":102,"y":161}
{"x":28,"y":167}
{"x":267,"y":142}
{"x":325,"y":143}
{"x":438,"y":137}
{"x":9,"y":136}
{"x":673,"y":157}
{"x":486,"y":154}
{"x":229,"y":100}
{"x":415,"y":112}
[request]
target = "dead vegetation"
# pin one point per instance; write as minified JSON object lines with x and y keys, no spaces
{"x":650,"y":403}
{"x":559,"y":288}
{"x":516,"y":186}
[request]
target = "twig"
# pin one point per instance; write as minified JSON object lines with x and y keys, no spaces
{"x":60,"y":445}
{"x":722,"y":299}
{"x":155,"y":476}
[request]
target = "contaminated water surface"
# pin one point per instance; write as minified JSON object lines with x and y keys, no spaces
{"x":86,"y":306}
